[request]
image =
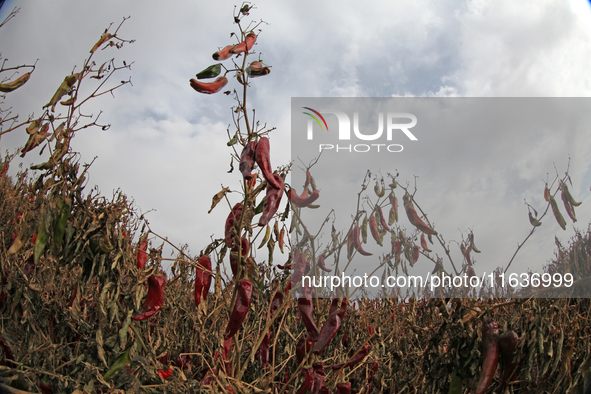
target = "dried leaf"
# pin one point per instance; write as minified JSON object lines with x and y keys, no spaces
{"x":218,"y":197}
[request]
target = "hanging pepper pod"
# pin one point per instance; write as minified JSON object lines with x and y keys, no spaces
{"x":508,"y":345}
{"x":303,"y":347}
{"x":308,"y":374}
{"x":364,"y":229}
{"x":234,"y":255}
{"x":357,"y":242}
{"x":209,"y":87}
{"x":567,"y":196}
{"x":263,"y":160}
{"x":415,"y":254}
{"x":490,"y":345}
{"x":318,"y":379}
{"x":13,"y":85}
{"x":154,"y":299}
{"x":257,"y":69}
{"x":414,"y":218}
{"x":557,"y":214}
{"x":343,"y":388}
{"x":243,"y":297}
{"x":245,"y":45}
{"x":568,"y":206}
{"x":373,"y":227}
{"x":393,"y":214}
{"x":202,"y":279}
{"x":382,"y":219}
{"x":263,"y":351}
{"x":321,"y":264}
{"x":300,"y":268}
{"x":424,"y":243}
{"x":233,"y":217}
{"x":357,"y":358}
{"x":142,"y":256}
{"x":306,"y":309}
{"x":303,"y":201}
{"x":331,"y":325}
{"x":276,"y":303}
{"x":247,"y":158}
{"x":272,"y":200}
{"x":223,"y":53}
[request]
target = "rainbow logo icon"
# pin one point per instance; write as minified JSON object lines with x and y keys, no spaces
{"x":315,"y":118}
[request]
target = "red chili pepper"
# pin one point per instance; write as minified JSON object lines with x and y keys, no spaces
{"x":320,"y":263}
{"x":373,"y":226}
{"x":343,"y":388}
{"x":306,"y":308}
{"x":154,"y":299}
{"x":227,"y":347}
{"x":165,"y":373}
{"x":424,"y":243}
{"x":357,"y":241}
{"x":415,"y":254}
{"x":263,"y":160}
{"x":303,"y":347}
{"x":247,"y":160}
{"x":233,"y":217}
{"x":263,"y":351}
{"x":276,"y":303}
{"x":245,"y":45}
{"x":300,"y":268}
{"x":308,"y":179}
{"x":234,"y":255}
{"x":209,"y":377}
{"x":331,"y":325}
{"x":318,"y":378}
{"x":490,"y":345}
{"x":357,"y":358}
{"x":308,"y":374}
{"x":209,"y":87}
{"x":287,"y":265}
{"x":394,"y":202}
{"x":300,"y":201}
{"x":202,"y":279}
{"x":508,"y":345}
{"x":382,"y":219}
{"x":142,"y":256}
{"x":414,"y":218}
{"x":272,"y":200}
{"x":243,"y":297}
{"x":222,"y":54}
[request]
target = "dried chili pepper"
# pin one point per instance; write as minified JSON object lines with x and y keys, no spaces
{"x":243,"y":297}
{"x":165,"y":373}
{"x":318,"y":378}
{"x":414,"y":218}
{"x":303,"y":201}
{"x":256,"y":69}
{"x":357,"y":241}
{"x":245,"y":45}
{"x":331,"y":325}
{"x":490,"y":351}
{"x":557,"y":214}
{"x":382,"y":219}
{"x":357,"y":358}
{"x":306,"y":309}
{"x":424,"y":243}
{"x":393,"y":214}
{"x":202,"y":279}
{"x":276,"y":303}
{"x":321,"y":264}
{"x":223,"y":53}
{"x":303,"y":347}
{"x":13,"y":85}
{"x":508,"y":345}
{"x":234,"y":255}
{"x":263,"y":351}
{"x":263,"y":160}
{"x":233,"y":217}
{"x":415,"y":254}
{"x":272,"y":200}
{"x":300,"y":268}
{"x":568,"y":206}
{"x":373,"y":227}
{"x":142,"y":256}
{"x":247,"y":160}
{"x":308,"y":374}
{"x":209,"y":87}
{"x":343,"y":388}
{"x":154,"y":299}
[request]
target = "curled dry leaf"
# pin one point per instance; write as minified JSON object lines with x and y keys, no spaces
{"x":218,"y":197}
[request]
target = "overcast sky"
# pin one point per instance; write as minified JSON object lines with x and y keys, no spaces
{"x":167,"y":144}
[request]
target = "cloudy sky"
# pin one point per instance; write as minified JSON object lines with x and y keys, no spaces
{"x":166,"y":147}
